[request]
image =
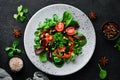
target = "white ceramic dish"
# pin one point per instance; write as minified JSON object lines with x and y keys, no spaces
{"x":86,"y":28}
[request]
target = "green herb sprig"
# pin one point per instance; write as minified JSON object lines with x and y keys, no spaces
{"x":21,"y":12}
{"x":13,"y":49}
{"x":103,"y":73}
{"x":117,"y":44}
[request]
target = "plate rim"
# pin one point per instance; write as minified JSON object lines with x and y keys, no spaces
{"x":59,"y":4}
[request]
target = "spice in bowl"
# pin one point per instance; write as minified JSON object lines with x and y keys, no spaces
{"x":111,"y":30}
{"x":16,"y":64}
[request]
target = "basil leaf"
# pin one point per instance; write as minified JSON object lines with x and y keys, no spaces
{"x":25,"y":10}
{"x":43,"y":56}
{"x":19,"y":9}
{"x":67,"y":17}
{"x":15,"y":16}
{"x":10,"y":54}
{"x":7,"y":48}
{"x":15,"y":44}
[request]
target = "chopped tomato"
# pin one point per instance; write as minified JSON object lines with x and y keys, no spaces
{"x":48,"y":37}
{"x":70,"y":30}
{"x":70,"y":50}
{"x":59,"y":27}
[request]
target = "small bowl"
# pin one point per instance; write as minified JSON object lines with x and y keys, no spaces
{"x":115,"y":25}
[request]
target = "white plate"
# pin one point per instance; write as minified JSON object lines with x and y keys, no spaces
{"x":86,"y":28}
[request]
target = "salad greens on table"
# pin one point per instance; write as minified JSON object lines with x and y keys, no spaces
{"x":21,"y":13}
{"x":57,"y":39}
{"x":13,"y":49}
{"x":103,"y":73}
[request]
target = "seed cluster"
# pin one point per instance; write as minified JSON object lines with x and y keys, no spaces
{"x":110,"y":30}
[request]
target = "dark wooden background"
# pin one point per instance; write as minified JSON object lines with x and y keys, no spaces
{"x":106,"y":10}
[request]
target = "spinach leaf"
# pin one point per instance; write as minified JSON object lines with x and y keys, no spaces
{"x":103,"y":73}
{"x":117,"y":44}
{"x":56,"y":59}
{"x":55,"y":18}
{"x":43,"y":56}
{"x":67,"y":18}
{"x":59,"y":64}
{"x":83,"y":42}
{"x":74,"y":23}
{"x":83,"y":39}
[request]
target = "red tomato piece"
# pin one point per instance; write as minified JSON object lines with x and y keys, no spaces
{"x":59,"y":27}
{"x":70,"y":30}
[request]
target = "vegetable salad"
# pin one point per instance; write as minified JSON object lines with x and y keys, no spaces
{"x":58,"y":41}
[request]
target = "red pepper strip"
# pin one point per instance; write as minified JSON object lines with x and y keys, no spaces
{"x":69,"y":53}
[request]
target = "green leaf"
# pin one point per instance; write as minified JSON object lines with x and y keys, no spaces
{"x":59,"y":64}
{"x":36,"y":46}
{"x":56,"y":59}
{"x":67,"y":17}
{"x":74,"y":23}
{"x":117,"y":44}
{"x":43,"y":56}
{"x":7,"y":48}
{"x":36,"y":39}
{"x":72,"y":58}
{"x":83,"y":42}
{"x":22,"y":18}
{"x":21,"y":13}
{"x":10,"y":54}
{"x":55,"y":18}
{"x":53,"y":49}
{"x":41,"y":26}
{"x":15,"y":16}
{"x":25,"y":10}
{"x":37,"y":33}
{"x":15,"y":44}
{"x":19,"y":9}
{"x":18,"y":51}
{"x":103,"y":73}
